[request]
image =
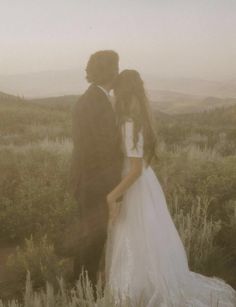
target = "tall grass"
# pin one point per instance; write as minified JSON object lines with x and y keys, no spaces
{"x":197,"y":231}
{"x":82,"y":295}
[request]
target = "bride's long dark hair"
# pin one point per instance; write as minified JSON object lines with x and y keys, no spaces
{"x":132,"y":103}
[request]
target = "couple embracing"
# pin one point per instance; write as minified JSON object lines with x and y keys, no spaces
{"x":129,"y":235}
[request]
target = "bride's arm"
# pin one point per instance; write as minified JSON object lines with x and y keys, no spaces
{"x":133,"y":174}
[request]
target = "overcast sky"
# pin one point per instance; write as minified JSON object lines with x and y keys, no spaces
{"x":168,"y":38}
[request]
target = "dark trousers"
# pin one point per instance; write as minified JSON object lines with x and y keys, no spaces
{"x":91,"y":257}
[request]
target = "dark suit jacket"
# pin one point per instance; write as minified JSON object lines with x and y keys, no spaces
{"x":97,"y":155}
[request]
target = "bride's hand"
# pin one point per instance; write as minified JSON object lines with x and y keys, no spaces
{"x":114,"y":212}
{"x":113,"y":208}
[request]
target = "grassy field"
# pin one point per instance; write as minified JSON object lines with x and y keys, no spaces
{"x":196,"y":166}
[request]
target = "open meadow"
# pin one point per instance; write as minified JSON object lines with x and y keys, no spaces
{"x":196,"y":166}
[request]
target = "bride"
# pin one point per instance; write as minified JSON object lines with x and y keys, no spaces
{"x":145,"y":258}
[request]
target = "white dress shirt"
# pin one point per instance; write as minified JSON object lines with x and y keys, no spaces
{"x":110,"y":98}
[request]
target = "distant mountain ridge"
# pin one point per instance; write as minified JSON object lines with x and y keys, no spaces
{"x":8,"y":96}
{"x":197,"y":87}
{"x":168,"y":102}
{"x":67,"y":82}
{"x":184,"y":103}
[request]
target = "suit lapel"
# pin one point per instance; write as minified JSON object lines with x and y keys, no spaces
{"x":107,"y":102}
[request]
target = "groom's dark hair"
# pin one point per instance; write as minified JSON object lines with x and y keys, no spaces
{"x":102,"y":67}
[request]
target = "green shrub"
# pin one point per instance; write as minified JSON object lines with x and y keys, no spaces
{"x":38,"y":257}
{"x":34,"y":194}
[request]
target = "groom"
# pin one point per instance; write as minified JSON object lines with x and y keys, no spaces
{"x":97,"y":157}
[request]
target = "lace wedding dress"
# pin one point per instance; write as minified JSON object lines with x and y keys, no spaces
{"x":145,"y":258}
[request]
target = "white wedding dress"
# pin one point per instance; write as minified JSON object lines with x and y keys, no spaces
{"x":145,"y":257}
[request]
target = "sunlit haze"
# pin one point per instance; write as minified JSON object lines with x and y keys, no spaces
{"x":168,"y":39}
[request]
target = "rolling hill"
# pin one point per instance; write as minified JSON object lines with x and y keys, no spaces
{"x":66,"y":82}
{"x":167,"y":102}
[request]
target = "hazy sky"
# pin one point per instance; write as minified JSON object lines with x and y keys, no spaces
{"x":168,"y":38}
